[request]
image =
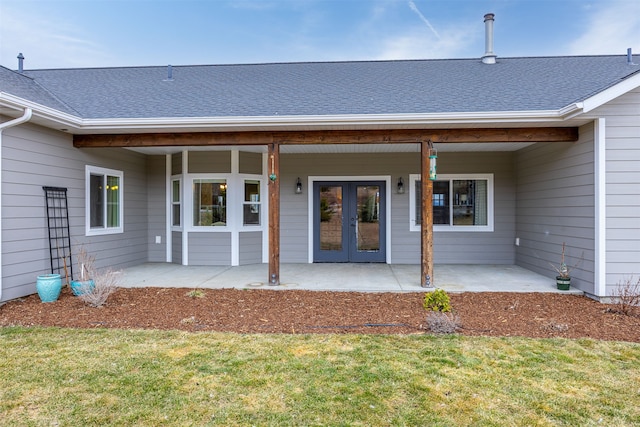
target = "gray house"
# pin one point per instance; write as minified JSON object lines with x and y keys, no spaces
{"x":329,"y":162}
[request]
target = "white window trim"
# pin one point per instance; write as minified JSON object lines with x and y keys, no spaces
{"x":92,"y":231}
{"x":180,"y":202}
{"x":455,"y":228}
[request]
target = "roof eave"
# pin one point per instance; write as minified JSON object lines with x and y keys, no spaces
{"x":45,"y":114}
{"x":59,"y":120}
{"x":313,"y":122}
{"x":619,"y":89}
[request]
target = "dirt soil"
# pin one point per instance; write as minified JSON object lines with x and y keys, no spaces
{"x":297,"y":312}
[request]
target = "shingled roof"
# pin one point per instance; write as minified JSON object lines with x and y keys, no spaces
{"x":25,"y":87}
{"x":322,"y":88}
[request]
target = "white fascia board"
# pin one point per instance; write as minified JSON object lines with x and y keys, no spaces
{"x":292,"y":122}
{"x":571,"y":111}
{"x":286,"y":122}
{"x":611,"y":93}
{"x":40,"y":110}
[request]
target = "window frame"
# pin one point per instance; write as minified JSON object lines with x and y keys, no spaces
{"x":179,"y":203}
{"x":235,"y":202}
{"x":259,"y":202}
{"x":413,"y":178}
{"x":104,"y":229}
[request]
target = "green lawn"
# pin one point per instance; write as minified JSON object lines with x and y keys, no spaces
{"x":114,"y":377}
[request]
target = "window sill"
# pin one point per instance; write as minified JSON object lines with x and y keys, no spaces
{"x":103,"y":232}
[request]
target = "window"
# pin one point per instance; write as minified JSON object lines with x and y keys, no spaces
{"x":460,"y":202}
{"x":175,"y":203}
{"x":209,"y":202}
{"x":104,"y":207}
{"x":251,"y":203}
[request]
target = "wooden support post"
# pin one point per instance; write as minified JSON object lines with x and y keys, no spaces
{"x":274,"y":214}
{"x":426,"y":225}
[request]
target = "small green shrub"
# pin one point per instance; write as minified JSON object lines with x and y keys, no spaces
{"x":437,"y":300}
{"x":195,"y":293}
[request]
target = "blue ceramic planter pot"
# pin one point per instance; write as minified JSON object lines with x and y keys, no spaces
{"x":79,"y":287}
{"x":48,"y":287}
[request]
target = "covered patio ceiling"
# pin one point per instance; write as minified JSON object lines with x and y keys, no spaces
{"x":345,"y":148}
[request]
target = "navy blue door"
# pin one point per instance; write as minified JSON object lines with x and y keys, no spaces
{"x":349,"y":221}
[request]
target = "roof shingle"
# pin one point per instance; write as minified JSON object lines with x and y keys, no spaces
{"x":323,"y":88}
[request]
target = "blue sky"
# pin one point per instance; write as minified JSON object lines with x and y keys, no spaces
{"x":99,"y":33}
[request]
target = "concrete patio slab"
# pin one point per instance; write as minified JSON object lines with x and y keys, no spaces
{"x":342,"y":277}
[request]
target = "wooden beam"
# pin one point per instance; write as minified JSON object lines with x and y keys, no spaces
{"x":274,"y":213}
{"x":387,"y":136}
{"x":426,"y":224}
{"x":194,"y":139}
{"x":390,"y":136}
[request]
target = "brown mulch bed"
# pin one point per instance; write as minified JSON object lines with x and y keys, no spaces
{"x":293,"y":311}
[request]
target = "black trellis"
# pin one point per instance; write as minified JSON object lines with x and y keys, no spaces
{"x":59,"y":234}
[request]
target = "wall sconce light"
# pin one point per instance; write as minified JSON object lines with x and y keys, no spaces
{"x":433,"y":156}
{"x":298,"y":186}
{"x":400,"y":186}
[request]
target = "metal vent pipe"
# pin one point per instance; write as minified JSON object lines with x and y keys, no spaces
{"x":489,"y":57}
{"x":20,"y":62}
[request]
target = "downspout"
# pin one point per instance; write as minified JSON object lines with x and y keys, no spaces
{"x":15,"y":122}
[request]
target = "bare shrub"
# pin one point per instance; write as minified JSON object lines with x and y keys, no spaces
{"x":554,"y":326}
{"x":105,"y":282}
{"x":86,"y":263}
{"x":189,"y":320}
{"x":627,"y":295}
{"x":439,"y":322}
{"x":97,"y":284}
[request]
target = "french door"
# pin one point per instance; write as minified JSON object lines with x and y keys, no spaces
{"x":349,"y":221}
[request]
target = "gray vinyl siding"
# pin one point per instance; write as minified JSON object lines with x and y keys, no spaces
{"x":556,"y":204}
{"x":210,"y":248}
{"x":250,"y":162}
{"x":496,"y":247}
{"x":210,"y":162}
{"x":294,"y":212}
{"x":176,"y":247}
{"x":250,"y":247}
{"x":449,"y":247}
{"x":33,"y":157}
{"x":157,"y":208}
{"x":622,"y":117}
{"x":176,"y":164}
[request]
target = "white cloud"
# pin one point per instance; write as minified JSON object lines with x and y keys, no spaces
{"x":612,"y":27}
{"x":46,"y":42}
{"x":452,"y":43}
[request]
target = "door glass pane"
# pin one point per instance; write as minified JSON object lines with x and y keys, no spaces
{"x":330,"y":218}
{"x":368,"y":219}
